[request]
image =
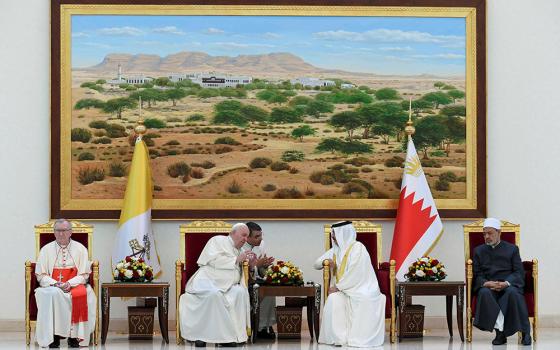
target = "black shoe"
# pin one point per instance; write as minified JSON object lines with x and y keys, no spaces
{"x":265,"y":334}
{"x":500,"y":338}
{"x":271,"y":332}
{"x":73,"y":343}
{"x":200,"y":344}
{"x":55,"y":343}
{"x":228,"y":345}
{"x":526,"y":339}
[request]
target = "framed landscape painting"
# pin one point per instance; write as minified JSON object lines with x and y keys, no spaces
{"x":288,"y":111}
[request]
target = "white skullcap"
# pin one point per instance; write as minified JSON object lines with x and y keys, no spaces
{"x":492,"y":222}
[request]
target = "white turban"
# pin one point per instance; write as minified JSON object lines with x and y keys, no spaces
{"x":492,"y":222}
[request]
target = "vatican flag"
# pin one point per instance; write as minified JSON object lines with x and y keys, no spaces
{"x":134,"y":236}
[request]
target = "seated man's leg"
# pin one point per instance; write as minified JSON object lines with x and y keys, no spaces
{"x":267,"y":317}
{"x":53,"y":314}
{"x":516,"y":317}
{"x":334,"y":323}
{"x":211,"y":317}
{"x":487,"y":309}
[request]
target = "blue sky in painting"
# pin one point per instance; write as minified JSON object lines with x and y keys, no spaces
{"x":383,"y":45}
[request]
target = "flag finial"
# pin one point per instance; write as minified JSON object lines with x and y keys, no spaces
{"x":409,"y":129}
{"x":140,"y":129}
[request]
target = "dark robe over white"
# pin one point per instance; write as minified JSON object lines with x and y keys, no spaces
{"x":500,"y":263}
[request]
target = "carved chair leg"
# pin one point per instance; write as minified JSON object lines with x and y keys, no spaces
{"x":27,"y":333}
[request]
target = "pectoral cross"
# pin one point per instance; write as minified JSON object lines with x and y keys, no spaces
{"x":60,"y":276}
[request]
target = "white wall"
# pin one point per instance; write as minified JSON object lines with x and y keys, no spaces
{"x":523,"y":162}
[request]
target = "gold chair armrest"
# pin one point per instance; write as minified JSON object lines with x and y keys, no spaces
{"x":95,"y":270}
{"x":326,"y":279}
{"x":28,"y":276}
{"x":469,"y":273}
{"x":535,"y":274}
{"x":178,"y":281}
{"x":393,"y":290}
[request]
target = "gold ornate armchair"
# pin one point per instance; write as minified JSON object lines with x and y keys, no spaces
{"x":45,"y":234}
{"x":193,"y":238}
{"x":371,"y":237}
{"x":510,"y":233}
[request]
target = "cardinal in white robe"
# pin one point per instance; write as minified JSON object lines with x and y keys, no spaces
{"x":267,"y":314}
{"x":215,"y":307}
{"x":354,"y":312}
{"x":66,"y":304}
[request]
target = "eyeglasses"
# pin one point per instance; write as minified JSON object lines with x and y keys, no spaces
{"x":62,"y":229}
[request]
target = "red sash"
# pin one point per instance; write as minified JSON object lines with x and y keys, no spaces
{"x":78,"y":293}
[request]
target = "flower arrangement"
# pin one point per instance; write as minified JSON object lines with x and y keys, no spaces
{"x":284,"y":273}
{"x":426,"y":269}
{"x":132,"y":269}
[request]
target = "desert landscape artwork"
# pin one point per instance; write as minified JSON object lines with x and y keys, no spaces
{"x":263,"y":109}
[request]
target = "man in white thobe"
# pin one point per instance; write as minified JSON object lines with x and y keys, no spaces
{"x":66,"y":305}
{"x":215,"y":306}
{"x":267,"y":314}
{"x":354,"y":312}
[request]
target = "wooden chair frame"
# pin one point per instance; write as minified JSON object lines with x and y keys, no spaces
{"x":477,"y":227}
{"x":371,"y":228}
{"x":48,"y":229}
{"x":194,"y":228}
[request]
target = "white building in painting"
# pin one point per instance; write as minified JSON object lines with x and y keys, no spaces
{"x":131,"y":79}
{"x":313,"y":82}
{"x":213,"y":80}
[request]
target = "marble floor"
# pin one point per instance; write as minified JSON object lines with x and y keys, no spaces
{"x":549,"y":339}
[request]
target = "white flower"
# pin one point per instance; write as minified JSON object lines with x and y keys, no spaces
{"x":120,"y":265}
{"x":420,"y":273}
{"x":126,"y":265}
{"x":434,"y":269}
{"x":442,"y":269}
{"x":425,"y":260}
{"x":285,"y":270}
{"x":116,"y":273}
{"x":140,"y":273}
{"x":128,"y":274}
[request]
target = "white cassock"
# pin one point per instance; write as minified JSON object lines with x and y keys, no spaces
{"x":215,"y":306}
{"x":355,"y":315}
{"x":54,"y":307}
{"x":267,"y":315}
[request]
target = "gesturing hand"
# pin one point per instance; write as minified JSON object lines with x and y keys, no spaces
{"x":248,"y":255}
{"x":264,"y":261}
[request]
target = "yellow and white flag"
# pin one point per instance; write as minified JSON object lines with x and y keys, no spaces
{"x":135,"y":236}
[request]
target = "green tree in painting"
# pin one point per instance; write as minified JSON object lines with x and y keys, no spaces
{"x":439,"y":85}
{"x":331,"y":144}
{"x":253,"y":113}
{"x":430,"y":132}
{"x":88,"y":103}
{"x":285,"y":115}
{"x":456,"y":94}
{"x":175,"y":95}
{"x":455,"y":131}
{"x":437,"y":98}
{"x":316,"y":107}
{"x":304,"y":130}
{"x":118,"y":105}
{"x":163,"y":81}
{"x":387,"y":94}
{"x":454,"y":110}
{"x":348,"y":120}
{"x":417,"y":106}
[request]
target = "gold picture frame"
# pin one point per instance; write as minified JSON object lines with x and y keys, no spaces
{"x":69,"y":200}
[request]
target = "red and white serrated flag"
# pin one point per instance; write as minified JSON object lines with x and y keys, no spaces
{"x":418,"y":226}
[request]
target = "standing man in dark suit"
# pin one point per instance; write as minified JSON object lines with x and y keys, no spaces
{"x":499,"y":279}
